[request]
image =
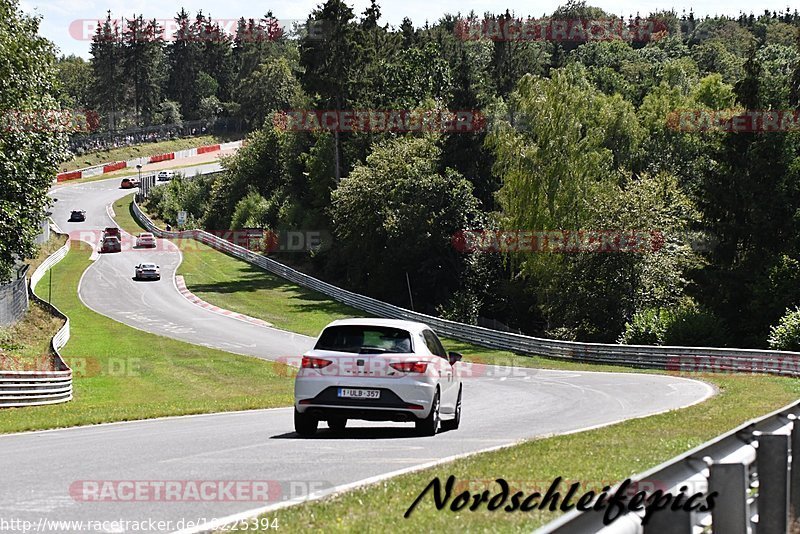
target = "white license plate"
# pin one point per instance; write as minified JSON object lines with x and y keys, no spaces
{"x":360,"y":393}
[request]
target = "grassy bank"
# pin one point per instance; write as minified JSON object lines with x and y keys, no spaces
{"x":91,"y":159}
{"x":121,"y":373}
{"x":25,"y":345}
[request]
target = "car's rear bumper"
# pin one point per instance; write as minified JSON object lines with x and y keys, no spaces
{"x":401,"y":399}
{"x":147,"y":276}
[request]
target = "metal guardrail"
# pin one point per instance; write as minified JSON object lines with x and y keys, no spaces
{"x":755,"y":470}
{"x":36,"y":388}
{"x":678,"y":359}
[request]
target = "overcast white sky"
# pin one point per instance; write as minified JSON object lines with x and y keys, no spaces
{"x":61,"y":15}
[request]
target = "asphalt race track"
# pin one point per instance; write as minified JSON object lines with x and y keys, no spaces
{"x":501,"y":406}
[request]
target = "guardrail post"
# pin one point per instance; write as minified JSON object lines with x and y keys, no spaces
{"x":773,"y":484}
{"x":669,"y":522}
{"x":794,"y":473}
{"x":730,"y":514}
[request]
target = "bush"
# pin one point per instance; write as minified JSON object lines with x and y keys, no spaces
{"x":687,"y":325}
{"x":691,"y":326}
{"x":463,"y":307}
{"x":647,"y":327}
{"x":786,"y":334}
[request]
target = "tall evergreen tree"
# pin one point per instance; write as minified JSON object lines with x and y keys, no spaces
{"x":328,"y":56}
{"x":143,"y":66}
{"x":106,"y":61}
{"x":183,"y":56}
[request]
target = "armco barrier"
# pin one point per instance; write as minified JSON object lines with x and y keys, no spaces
{"x":36,"y":388}
{"x":679,"y":359}
{"x":755,"y":470}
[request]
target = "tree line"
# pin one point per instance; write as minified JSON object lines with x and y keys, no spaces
{"x":580,"y":136}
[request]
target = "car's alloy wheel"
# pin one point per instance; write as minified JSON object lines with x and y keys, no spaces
{"x":337,"y":425}
{"x":453,"y":423}
{"x":304,"y":424}
{"x":430,"y":425}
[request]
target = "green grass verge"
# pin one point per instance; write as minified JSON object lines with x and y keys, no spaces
{"x":91,"y":159}
{"x":123,"y":374}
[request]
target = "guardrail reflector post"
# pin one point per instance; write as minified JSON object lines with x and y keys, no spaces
{"x":773,"y":483}
{"x":730,"y":514}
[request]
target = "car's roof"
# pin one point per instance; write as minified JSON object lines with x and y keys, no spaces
{"x":411,"y":326}
{"x":148,"y":265}
{"x":145,"y":234}
{"x":77,"y":211}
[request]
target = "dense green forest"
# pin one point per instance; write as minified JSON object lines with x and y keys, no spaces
{"x":579,"y":135}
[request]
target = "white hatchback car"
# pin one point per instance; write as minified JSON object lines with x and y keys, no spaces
{"x":378,"y":370}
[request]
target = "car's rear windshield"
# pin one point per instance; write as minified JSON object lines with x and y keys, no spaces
{"x":363,"y":339}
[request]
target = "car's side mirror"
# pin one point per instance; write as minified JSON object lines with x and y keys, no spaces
{"x":454,"y":357}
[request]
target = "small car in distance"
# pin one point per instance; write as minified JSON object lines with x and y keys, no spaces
{"x":145,"y":240}
{"x":147,"y":271}
{"x":378,"y":370}
{"x":165,"y":176}
{"x":77,"y":216}
{"x":111,"y":244}
{"x":129,"y":183}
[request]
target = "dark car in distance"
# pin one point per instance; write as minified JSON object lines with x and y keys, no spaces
{"x":77,"y":216}
{"x":111,"y":244}
{"x":112,"y":231}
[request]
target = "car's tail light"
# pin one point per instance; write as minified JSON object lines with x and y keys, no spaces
{"x":314,"y":363}
{"x":410,"y":367}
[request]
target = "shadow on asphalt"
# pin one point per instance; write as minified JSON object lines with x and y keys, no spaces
{"x":355,"y":433}
{"x":358,"y":433}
